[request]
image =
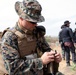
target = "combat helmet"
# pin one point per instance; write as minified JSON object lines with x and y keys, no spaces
{"x":29,"y":10}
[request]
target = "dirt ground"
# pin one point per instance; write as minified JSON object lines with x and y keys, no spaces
{"x":62,"y":66}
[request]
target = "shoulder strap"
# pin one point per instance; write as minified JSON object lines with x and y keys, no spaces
{"x":20,"y":33}
{"x":14,"y":31}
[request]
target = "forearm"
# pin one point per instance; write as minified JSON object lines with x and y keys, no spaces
{"x":45,"y":46}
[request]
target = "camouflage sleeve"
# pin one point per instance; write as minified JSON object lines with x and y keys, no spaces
{"x":14,"y":65}
{"x":44,"y":45}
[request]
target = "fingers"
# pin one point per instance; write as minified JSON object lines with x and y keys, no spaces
{"x":51,"y":56}
{"x":51,"y":53}
{"x":48,"y":57}
{"x":58,"y":57}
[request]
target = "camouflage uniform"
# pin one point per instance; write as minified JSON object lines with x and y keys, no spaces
{"x":22,"y":48}
{"x":15,"y":61}
{"x":19,"y":44}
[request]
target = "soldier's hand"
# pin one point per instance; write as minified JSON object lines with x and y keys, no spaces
{"x":58,"y":57}
{"x":47,"y":57}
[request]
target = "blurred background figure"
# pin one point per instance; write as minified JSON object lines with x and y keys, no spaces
{"x":61,"y":43}
{"x":74,"y":35}
{"x":68,"y":42}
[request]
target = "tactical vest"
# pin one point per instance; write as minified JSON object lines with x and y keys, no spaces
{"x":26,"y":43}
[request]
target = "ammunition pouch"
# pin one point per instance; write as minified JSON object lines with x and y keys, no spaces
{"x":31,"y":56}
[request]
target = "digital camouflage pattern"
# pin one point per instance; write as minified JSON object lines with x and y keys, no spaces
{"x":16,"y":65}
{"x":29,"y":10}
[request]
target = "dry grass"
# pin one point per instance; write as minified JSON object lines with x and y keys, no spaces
{"x":62,"y":67}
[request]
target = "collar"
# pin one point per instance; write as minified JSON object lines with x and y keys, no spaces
{"x":23,"y":30}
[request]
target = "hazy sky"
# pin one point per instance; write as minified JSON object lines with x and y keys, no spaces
{"x":54,"y":11}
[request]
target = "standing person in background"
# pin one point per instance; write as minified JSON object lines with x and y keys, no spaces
{"x":74,"y":36}
{"x":61,"y":43}
{"x":67,"y":38}
{"x":24,"y":48}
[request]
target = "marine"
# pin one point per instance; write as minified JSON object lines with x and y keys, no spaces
{"x":24,"y":48}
